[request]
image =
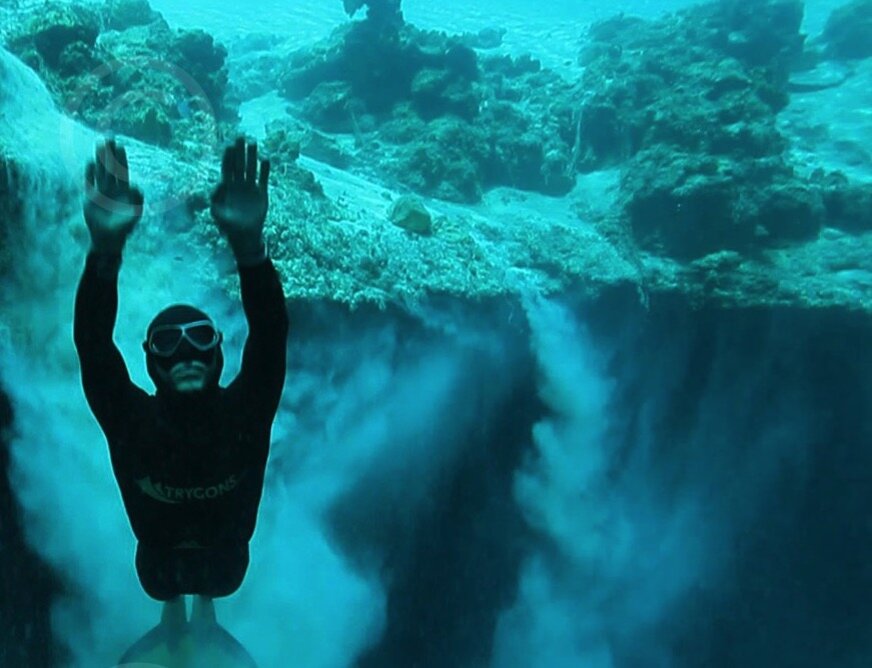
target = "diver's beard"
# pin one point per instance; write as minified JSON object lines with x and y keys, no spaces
{"x":187,"y":377}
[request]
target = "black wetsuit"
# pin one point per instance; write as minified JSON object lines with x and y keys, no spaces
{"x":190,"y":472}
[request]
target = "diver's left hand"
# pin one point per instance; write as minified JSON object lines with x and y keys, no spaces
{"x":240,"y":202}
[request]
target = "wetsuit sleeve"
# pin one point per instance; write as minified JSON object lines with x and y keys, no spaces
{"x":264,"y":357}
{"x":105,"y":379}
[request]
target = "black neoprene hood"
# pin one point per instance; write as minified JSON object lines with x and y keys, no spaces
{"x":180,"y":314}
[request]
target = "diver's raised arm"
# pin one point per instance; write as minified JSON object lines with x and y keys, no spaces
{"x":240,"y":202}
{"x":112,"y":207}
{"x":239,"y":207}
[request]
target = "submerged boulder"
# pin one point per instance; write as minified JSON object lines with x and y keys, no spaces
{"x":688,"y":206}
{"x":848,"y":205}
{"x":758,"y":33}
{"x":410,"y":213}
{"x":848,"y":31}
{"x":123,"y":14}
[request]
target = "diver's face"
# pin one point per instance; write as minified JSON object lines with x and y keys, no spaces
{"x":189,"y":370}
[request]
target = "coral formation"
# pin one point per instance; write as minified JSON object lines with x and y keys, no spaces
{"x":282,"y":145}
{"x":687,"y":107}
{"x":686,"y":173}
{"x":848,"y":32}
{"x":848,"y":205}
{"x":123,"y":14}
{"x":433,"y":113}
{"x":121,"y":67}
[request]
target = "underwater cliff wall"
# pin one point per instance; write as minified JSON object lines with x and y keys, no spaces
{"x":754,"y":419}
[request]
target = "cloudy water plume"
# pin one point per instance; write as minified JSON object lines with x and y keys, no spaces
{"x":630,"y":527}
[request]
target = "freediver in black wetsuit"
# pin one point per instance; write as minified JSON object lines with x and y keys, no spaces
{"x":189,"y":460}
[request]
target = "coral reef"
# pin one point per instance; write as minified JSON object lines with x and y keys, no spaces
{"x":848,"y":205}
{"x":669,"y":140}
{"x":680,"y":82}
{"x":430,"y":111}
{"x":848,"y":31}
{"x":123,"y":14}
{"x":282,"y":144}
{"x":687,"y":107}
{"x":120,"y":67}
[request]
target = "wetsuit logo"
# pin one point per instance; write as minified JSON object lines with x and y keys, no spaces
{"x":168,"y":494}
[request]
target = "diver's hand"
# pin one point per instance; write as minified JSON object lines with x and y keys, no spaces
{"x":112,"y":208}
{"x":240,"y":202}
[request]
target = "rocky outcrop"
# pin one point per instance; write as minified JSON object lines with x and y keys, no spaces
{"x":848,"y":31}
{"x":121,"y":67}
{"x":686,"y":106}
{"x":436,"y":115}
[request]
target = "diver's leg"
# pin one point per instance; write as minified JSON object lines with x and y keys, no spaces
{"x":163,"y":639}
{"x":174,"y":613}
{"x":203,"y":610}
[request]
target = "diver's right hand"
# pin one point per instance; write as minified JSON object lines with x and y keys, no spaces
{"x":112,"y":207}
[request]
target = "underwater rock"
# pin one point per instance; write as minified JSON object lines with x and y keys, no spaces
{"x":758,"y":33}
{"x":439,"y":117}
{"x":253,"y":69}
{"x":682,"y":206}
{"x":848,"y":31}
{"x":59,"y":38}
{"x":143,"y":78}
{"x":786,"y":210}
{"x":410,"y":213}
{"x":325,"y":148}
{"x":142,"y":117}
{"x":667,"y":81}
{"x":289,"y":140}
{"x":379,"y":70}
{"x":199,"y":50}
{"x":436,"y":93}
{"x":687,"y":106}
{"x":282,"y":146}
{"x":825,"y":75}
{"x":688,"y":205}
{"x":486,"y":38}
{"x":446,"y":162}
{"x":848,"y":205}
{"x":123,"y":14}
{"x":333,"y":107}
